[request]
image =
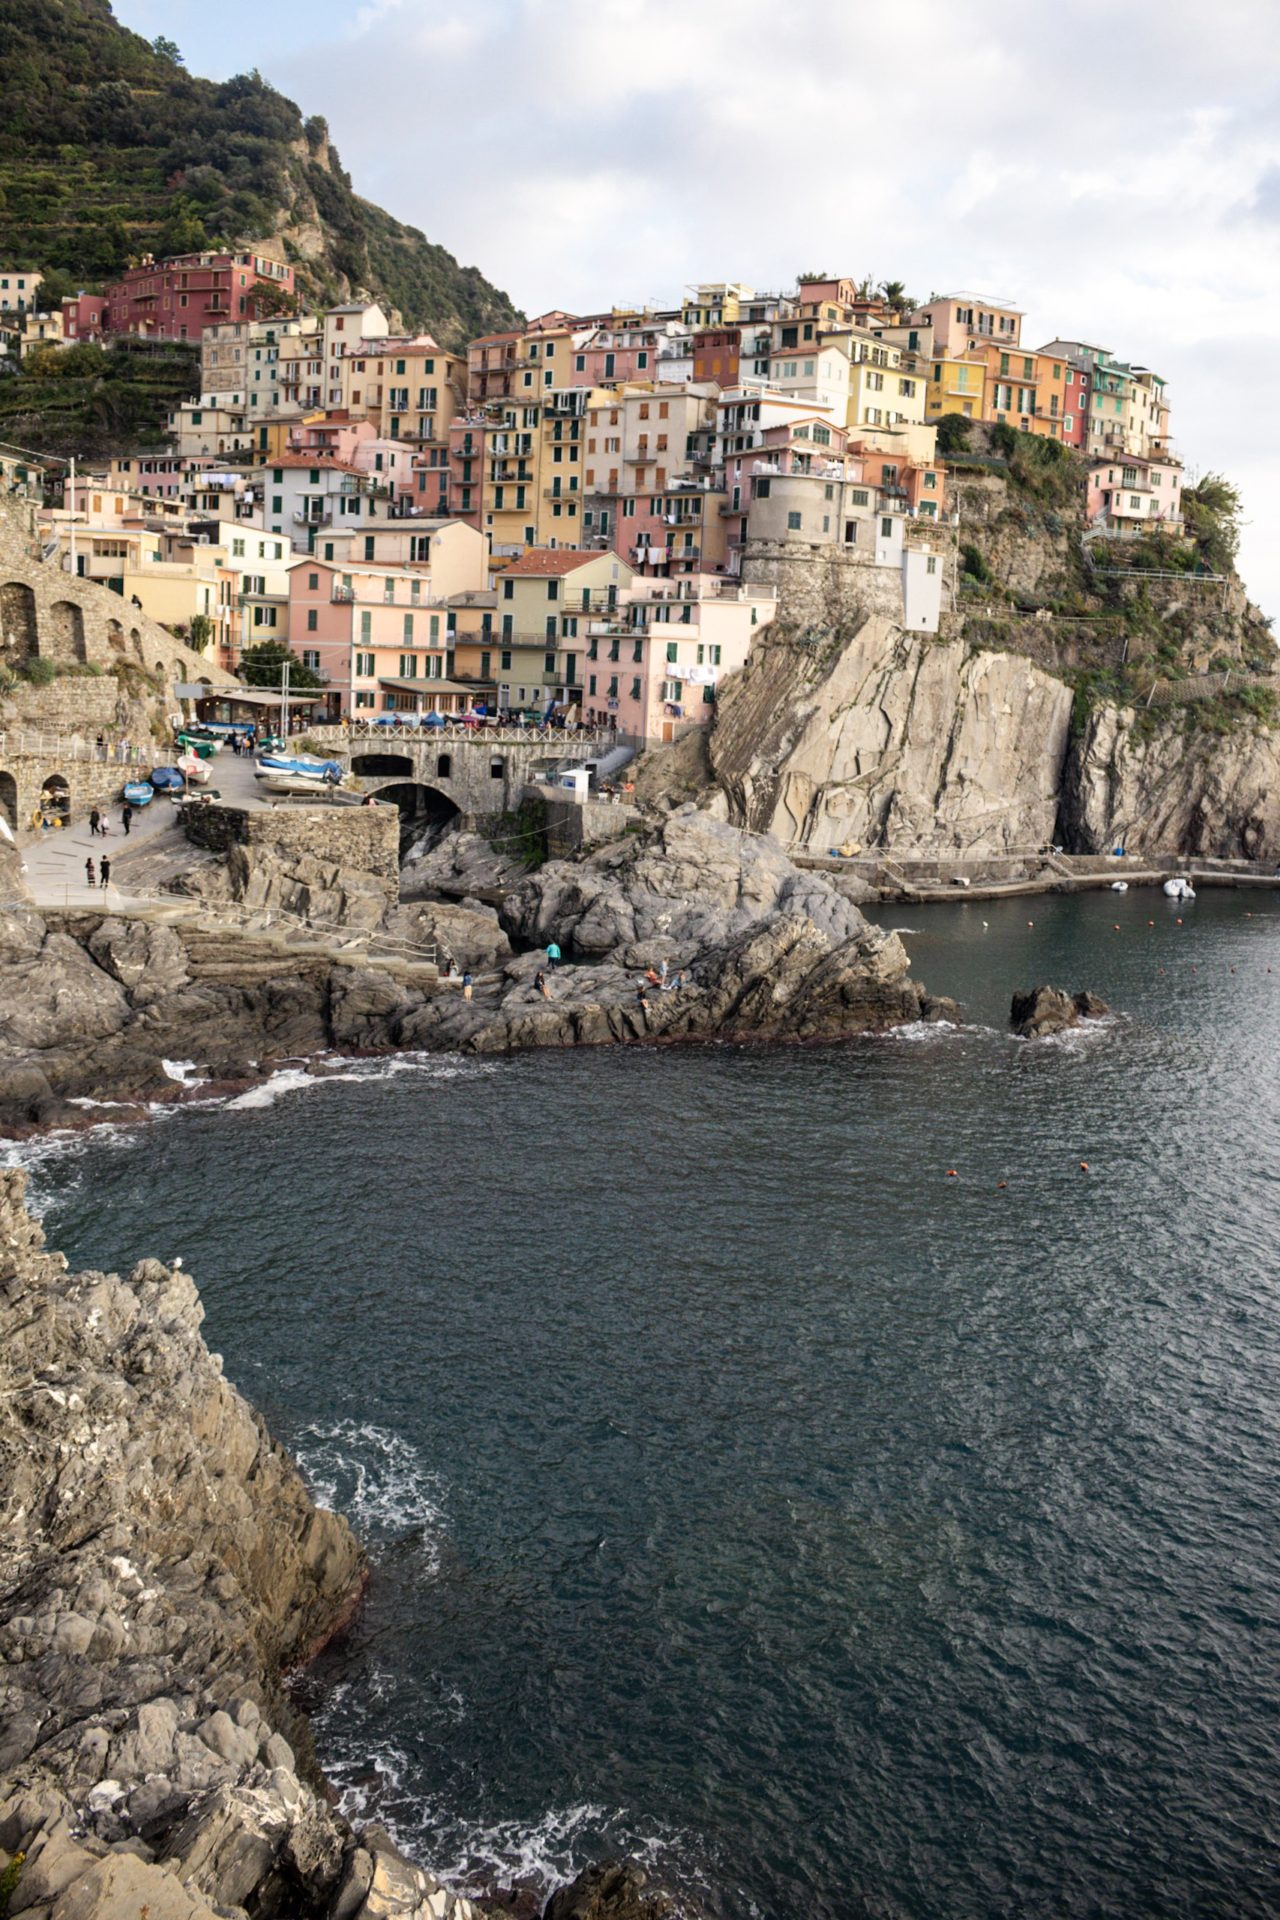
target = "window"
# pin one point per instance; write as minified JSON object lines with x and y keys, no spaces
{"x":313,"y":619}
{"x":277,"y":504}
{"x":366,"y":625}
{"x":931,"y":564}
{"x":364,"y":699}
{"x":237,"y":549}
{"x":408,"y":666}
{"x":408,"y":629}
{"x":311,"y":659}
{"x":793,"y":522}
{"x":673,"y":650}
{"x":886,"y":528}
{"x":548,"y":663}
{"x":505,"y":659}
{"x":364,"y":666}
{"x":313,"y":582}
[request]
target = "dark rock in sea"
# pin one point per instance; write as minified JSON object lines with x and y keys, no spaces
{"x":1046,"y":1010}
{"x":612,"y":1890}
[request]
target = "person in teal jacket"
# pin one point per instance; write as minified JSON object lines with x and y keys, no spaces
{"x":553,"y":955}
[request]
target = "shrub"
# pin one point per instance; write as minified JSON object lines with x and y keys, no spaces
{"x":975,"y":563}
{"x":39,"y":673}
{"x":954,"y":431}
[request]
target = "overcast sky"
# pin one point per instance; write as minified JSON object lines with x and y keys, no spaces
{"x":1115,"y":171}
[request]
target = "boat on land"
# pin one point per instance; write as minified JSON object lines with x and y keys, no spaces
{"x":1179,"y":888}
{"x":298,"y":773}
{"x":193,"y":768}
{"x":167,"y":779}
{"x":139,"y":793}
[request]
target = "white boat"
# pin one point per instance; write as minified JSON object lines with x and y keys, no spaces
{"x":299,"y":767}
{"x":279,"y":780}
{"x":1119,"y":886}
{"x":1179,"y":889}
{"x":194,"y":769}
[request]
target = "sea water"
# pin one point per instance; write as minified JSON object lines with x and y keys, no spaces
{"x":846,"y":1477}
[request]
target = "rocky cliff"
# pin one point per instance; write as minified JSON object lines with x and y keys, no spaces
{"x":95,"y":1004}
{"x":161,"y":1566}
{"x":882,"y":739}
{"x":1073,"y":693}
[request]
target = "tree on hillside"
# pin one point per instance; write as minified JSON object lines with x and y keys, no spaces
{"x":260,"y":666}
{"x":168,"y":50}
{"x":1211,"y":512}
{"x":953,"y":432}
{"x":894,"y":294}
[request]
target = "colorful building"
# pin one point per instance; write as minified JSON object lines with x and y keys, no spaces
{"x":548,"y":601}
{"x":1131,"y":494}
{"x":177,"y":299}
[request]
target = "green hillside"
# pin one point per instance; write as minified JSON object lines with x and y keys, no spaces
{"x":109,"y":148}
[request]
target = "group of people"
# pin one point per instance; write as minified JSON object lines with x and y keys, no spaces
{"x":99,"y":825}
{"x":660,"y":977}
{"x":121,"y":751}
{"x":104,"y":871}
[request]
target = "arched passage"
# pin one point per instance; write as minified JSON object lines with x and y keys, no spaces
{"x":62,"y":634}
{"x":395,"y":766}
{"x":9,"y":798}
{"x":115,"y":636}
{"x":17,"y":623}
{"x":426,"y":805}
{"x":55,"y":797}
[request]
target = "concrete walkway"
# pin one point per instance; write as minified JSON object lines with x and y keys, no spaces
{"x":55,"y":869}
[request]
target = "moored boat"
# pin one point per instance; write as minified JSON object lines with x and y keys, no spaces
{"x":1179,"y":888}
{"x":166,"y":779}
{"x":139,"y":793}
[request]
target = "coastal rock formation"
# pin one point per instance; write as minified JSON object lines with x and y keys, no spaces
{"x":1046,"y":1010}
{"x":882,"y":739}
{"x":1153,"y":787}
{"x":161,"y":1566}
{"x":613,"y":1890}
{"x":96,"y":1004}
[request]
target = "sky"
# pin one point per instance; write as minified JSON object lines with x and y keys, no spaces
{"x":1115,"y":172}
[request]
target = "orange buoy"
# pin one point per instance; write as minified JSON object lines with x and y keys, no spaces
{"x":1031,"y":923}
{"x":952,"y":1174}
{"x":1116,"y":925}
{"x":1178,"y":923}
{"x":1151,"y":923}
{"x":1084,"y":1166}
{"x":1001,"y":1183}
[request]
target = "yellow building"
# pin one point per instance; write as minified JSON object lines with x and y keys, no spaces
{"x":715,"y":303}
{"x":548,"y":602}
{"x":956,"y":386}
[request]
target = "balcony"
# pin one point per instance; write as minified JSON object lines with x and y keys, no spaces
{"x":313,"y":519}
{"x":342,"y":595}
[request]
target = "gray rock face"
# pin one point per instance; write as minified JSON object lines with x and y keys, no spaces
{"x":895,"y":742}
{"x":613,"y":1890}
{"x":1164,"y":790}
{"x":460,"y":866}
{"x":1046,"y":1010}
{"x":161,"y":1564}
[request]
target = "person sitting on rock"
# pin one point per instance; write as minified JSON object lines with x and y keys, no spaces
{"x":540,"y":982}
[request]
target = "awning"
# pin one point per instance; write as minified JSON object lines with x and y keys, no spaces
{"x":432,"y":687}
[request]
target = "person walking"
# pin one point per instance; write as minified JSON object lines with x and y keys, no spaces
{"x":104,"y":869}
{"x":126,"y":818}
{"x":94,"y":818}
{"x":466,"y":986}
{"x":90,"y":876}
{"x":553,"y":955}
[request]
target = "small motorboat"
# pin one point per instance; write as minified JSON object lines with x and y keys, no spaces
{"x":167,"y":779}
{"x":192,"y":767}
{"x":1119,"y":886}
{"x":198,"y":743}
{"x":139,"y":793}
{"x":1179,"y":888}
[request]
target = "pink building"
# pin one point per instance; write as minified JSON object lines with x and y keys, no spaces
{"x":957,"y":318}
{"x":1131,"y":494}
{"x":653,"y":670}
{"x":177,"y":299}
{"x":382,"y":634}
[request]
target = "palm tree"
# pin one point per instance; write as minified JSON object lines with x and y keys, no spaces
{"x":894,"y":294}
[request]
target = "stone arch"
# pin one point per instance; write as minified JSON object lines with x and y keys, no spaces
{"x":160,"y":669}
{"x":55,"y":795}
{"x":383,"y":765}
{"x":115,"y":636}
{"x":62,"y":633}
{"x":135,"y":641}
{"x":419,"y":802}
{"x":18,"y":623}
{"x":9,"y":798}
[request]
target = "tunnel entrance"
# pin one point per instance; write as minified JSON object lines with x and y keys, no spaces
{"x":383,"y":765}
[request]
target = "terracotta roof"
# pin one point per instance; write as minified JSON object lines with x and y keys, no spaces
{"x":317,"y":459}
{"x":541,"y":563}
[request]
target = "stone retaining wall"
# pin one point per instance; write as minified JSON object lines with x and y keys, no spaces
{"x":366,"y":839}
{"x":89,"y":783}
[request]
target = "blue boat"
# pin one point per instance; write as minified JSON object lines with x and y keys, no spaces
{"x":139,"y":793}
{"x":167,"y":779}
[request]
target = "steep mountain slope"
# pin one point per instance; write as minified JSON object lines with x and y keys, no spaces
{"x":109,"y":148}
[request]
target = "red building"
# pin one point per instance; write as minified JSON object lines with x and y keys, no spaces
{"x":177,"y":299}
{"x":716,"y":354}
{"x":83,"y":318}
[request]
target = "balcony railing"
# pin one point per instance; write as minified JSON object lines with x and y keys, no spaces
{"x":342,"y":595}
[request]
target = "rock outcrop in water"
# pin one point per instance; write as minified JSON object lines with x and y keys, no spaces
{"x":161,"y":1566}
{"x":1046,"y":1010}
{"x":95,"y":1004}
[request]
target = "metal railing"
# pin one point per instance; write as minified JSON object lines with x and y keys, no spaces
{"x":16,"y":742}
{"x":1204,"y":686}
{"x":503,"y":736}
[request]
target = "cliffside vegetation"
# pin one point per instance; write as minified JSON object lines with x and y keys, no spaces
{"x":109,"y":148}
{"x":91,"y":401}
